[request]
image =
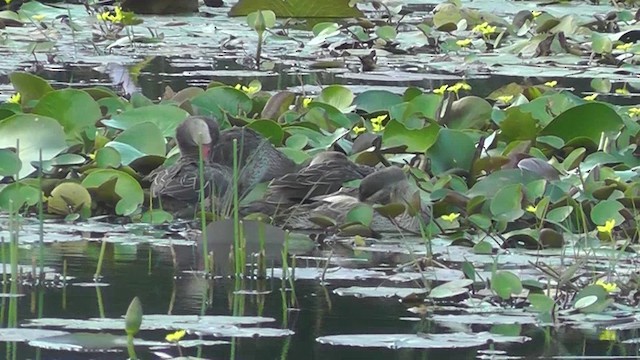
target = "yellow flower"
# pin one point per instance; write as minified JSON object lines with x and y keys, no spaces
{"x":451,"y":217}
{"x":535,"y":14}
{"x":634,"y":111}
{"x":440,"y":90}
{"x":607,"y":335}
{"x":463,"y":43}
{"x":306,"y":102}
{"x":458,"y":86}
{"x":359,"y":130}
{"x":15,"y":98}
{"x":608,"y":226}
{"x":622,"y":91}
{"x":591,"y":97}
{"x":249,"y":90}
{"x":7,"y":2}
{"x":376,"y":123}
{"x":116,"y":17}
{"x":551,"y":83}
{"x":176,"y":336}
{"x":624,"y":47}
{"x":38,"y":17}
{"x":532,"y":209}
{"x":484,"y":28}
{"x":609,"y":287}
{"x":506,"y":98}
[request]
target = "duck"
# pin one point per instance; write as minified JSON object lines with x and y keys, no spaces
{"x":325,"y":174}
{"x":178,"y":185}
{"x":258,"y":159}
{"x":382,"y":187}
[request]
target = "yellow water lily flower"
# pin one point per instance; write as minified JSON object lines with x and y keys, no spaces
{"x":607,"y":227}
{"x":506,"y":98}
{"x":484,"y":29}
{"x":7,"y":2}
{"x":376,"y":123}
{"x":440,"y":90}
{"x":591,"y":97}
{"x":532,"y":209}
{"x":176,"y":336}
{"x":622,"y":91}
{"x":608,"y":335}
{"x":359,"y":130}
{"x":609,"y":287}
{"x":624,"y":47}
{"x":306,"y":102}
{"x":15,"y":98}
{"x":451,"y":217}
{"x":552,"y":83}
{"x":458,"y":86}
{"x":463,"y":43}
{"x":116,"y":17}
{"x":535,"y":14}
{"x":38,"y":17}
{"x":634,"y":111}
{"x":249,"y":90}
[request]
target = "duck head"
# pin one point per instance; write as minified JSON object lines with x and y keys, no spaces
{"x":192,"y":133}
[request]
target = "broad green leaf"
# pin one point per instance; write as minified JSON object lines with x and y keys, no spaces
{"x":68,"y":198}
{"x":606,"y":210}
{"x":14,"y":196}
{"x":146,"y":137}
{"x":507,"y":203}
{"x":10,"y":163}
{"x":30,"y":87}
{"x":416,"y":140}
{"x":74,"y":109}
{"x":505,"y":284}
{"x":337,"y":96}
{"x":589,"y":120}
{"x":362,"y":213}
{"x":117,"y":188}
{"x":34,"y":133}
{"x":470,"y":112}
{"x":219,"y":100}
{"x":269,"y":129}
{"x":453,"y":149}
{"x":518,"y":125}
{"x":165,"y":117}
{"x":373,"y":101}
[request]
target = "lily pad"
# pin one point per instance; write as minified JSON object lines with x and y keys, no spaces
{"x":116,"y":187}
{"x":74,"y":109}
{"x":34,"y":133}
{"x":165,"y":117}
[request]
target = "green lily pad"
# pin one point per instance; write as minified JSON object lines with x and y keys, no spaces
{"x":470,"y":112}
{"x":74,"y":109}
{"x":373,"y":101}
{"x":107,"y":157}
{"x":505,"y":284}
{"x":453,"y":149}
{"x":10,"y":163}
{"x":145,"y":137}
{"x":541,"y":302}
{"x":416,"y":140}
{"x":219,"y":100}
{"x":606,"y":210}
{"x":165,"y":117}
{"x":451,"y":289}
{"x":362,"y":214}
{"x":269,"y":129}
{"x":14,"y":196}
{"x":337,"y":96}
{"x":30,"y":87}
{"x":507,"y":203}
{"x":34,"y":133}
{"x":584,"y":121}
{"x":68,"y":198}
{"x":117,"y":188}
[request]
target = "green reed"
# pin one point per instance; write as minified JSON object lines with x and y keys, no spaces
{"x":239,"y":249}
{"x":103,"y":248}
{"x":203,"y":215}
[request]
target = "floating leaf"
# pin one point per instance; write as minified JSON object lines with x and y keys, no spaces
{"x":74,"y":109}
{"x":34,"y":133}
{"x":297,"y":8}
{"x":418,"y":140}
{"x":30,"y":87}
{"x":10,"y":164}
{"x":165,"y":117}
{"x":14,"y":196}
{"x":68,"y":198}
{"x":589,"y":120}
{"x":373,"y":101}
{"x":505,"y":284}
{"x":115,"y":187}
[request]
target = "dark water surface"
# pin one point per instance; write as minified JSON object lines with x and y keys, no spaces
{"x":147,"y":272}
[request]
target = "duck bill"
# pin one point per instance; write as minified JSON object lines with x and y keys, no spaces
{"x":206,"y":150}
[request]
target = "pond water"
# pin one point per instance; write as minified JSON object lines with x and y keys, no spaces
{"x":138,"y":263}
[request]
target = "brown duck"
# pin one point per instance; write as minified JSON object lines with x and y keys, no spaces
{"x":258,"y":160}
{"x":178,"y":185}
{"x":325,"y":174}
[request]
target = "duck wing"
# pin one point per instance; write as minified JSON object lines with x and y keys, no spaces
{"x":181,"y":181}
